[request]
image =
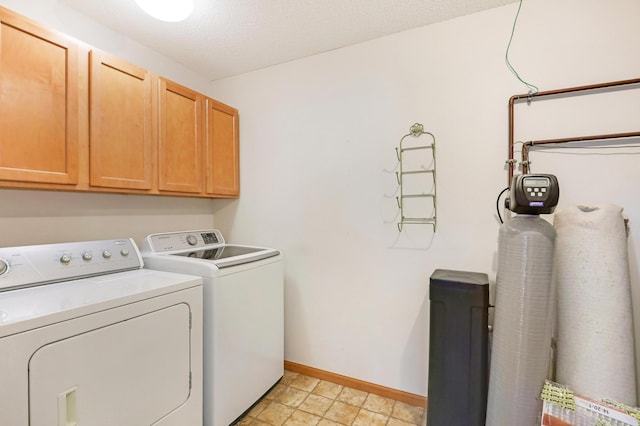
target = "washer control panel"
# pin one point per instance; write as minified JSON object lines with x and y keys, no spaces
{"x":182,"y":240}
{"x":49,"y":263}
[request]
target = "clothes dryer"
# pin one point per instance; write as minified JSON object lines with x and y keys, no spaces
{"x":88,"y":337}
{"x":243,"y":315}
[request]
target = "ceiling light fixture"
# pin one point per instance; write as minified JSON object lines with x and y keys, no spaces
{"x":167,"y":10}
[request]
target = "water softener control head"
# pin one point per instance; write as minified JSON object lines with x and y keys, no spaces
{"x":533,"y":194}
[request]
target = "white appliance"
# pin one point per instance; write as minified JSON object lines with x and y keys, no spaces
{"x":88,"y":337}
{"x":243,"y":315}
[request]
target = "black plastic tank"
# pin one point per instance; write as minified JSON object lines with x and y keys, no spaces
{"x":458,"y":348}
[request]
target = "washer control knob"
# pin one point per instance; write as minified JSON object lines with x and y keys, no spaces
{"x":87,"y":255}
{"x":4,"y":266}
{"x":65,"y":258}
{"x":124,"y":252}
{"x":192,"y":240}
{"x":106,"y":254}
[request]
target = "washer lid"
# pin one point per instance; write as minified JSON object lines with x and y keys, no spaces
{"x":206,"y":244}
{"x":221,"y":252}
{"x":231,"y":255}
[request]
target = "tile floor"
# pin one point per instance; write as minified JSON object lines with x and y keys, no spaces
{"x":300,"y":400}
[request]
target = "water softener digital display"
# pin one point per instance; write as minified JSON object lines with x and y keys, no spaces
{"x":533,"y":194}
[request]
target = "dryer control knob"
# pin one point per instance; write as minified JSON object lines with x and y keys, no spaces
{"x":65,"y":258}
{"x":124,"y":252}
{"x":4,"y":266}
{"x":106,"y":254}
{"x":192,"y":240}
{"x":87,"y":255}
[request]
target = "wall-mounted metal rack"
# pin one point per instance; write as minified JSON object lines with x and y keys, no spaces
{"x":423,"y":218}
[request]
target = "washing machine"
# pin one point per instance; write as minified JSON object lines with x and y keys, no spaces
{"x":243,"y":315}
{"x":89,"y":337}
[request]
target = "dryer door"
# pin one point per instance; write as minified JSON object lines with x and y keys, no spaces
{"x":130,"y":373}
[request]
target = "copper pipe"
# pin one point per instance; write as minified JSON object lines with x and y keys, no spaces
{"x":529,"y":97}
{"x":527,"y":145}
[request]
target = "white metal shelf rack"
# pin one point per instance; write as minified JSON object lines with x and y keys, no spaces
{"x":403,"y":152}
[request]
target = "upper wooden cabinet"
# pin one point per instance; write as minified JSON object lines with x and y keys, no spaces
{"x":121,"y":124}
{"x":39,"y":86}
{"x":181,"y":136}
{"x":222,"y":150}
{"x":77,"y":118}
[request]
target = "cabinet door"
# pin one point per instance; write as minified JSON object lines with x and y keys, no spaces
{"x":38,"y":103}
{"x":222,"y":156}
{"x":121,"y":140}
{"x":181,"y":138}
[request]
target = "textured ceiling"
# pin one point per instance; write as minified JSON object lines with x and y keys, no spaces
{"x":228,"y":37}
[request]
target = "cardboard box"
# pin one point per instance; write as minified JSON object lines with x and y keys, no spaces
{"x":561,"y":407}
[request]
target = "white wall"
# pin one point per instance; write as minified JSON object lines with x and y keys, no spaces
{"x":42,"y":217}
{"x":318,"y":162}
{"x":38,"y":217}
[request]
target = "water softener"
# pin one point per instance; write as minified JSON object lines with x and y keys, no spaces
{"x":521,"y":343}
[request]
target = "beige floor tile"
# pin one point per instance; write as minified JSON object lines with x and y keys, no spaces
{"x":254,"y":422}
{"x":261,"y":405}
{"x":275,"y":391}
{"x":275,"y":414}
{"x":304,"y":383}
{"x":397,"y":422}
{"x":369,"y":418}
{"x":325,"y":422}
{"x":378,"y":404}
{"x":408,"y":413}
{"x":290,"y":403}
{"x":342,"y":413}
{"x":352,"y":397}
{"x":288,"y":377}
{"x":316,"y":404}
{"x":300,"y":418}
{"x":291,"y":397}
{"x":327,"y":389}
